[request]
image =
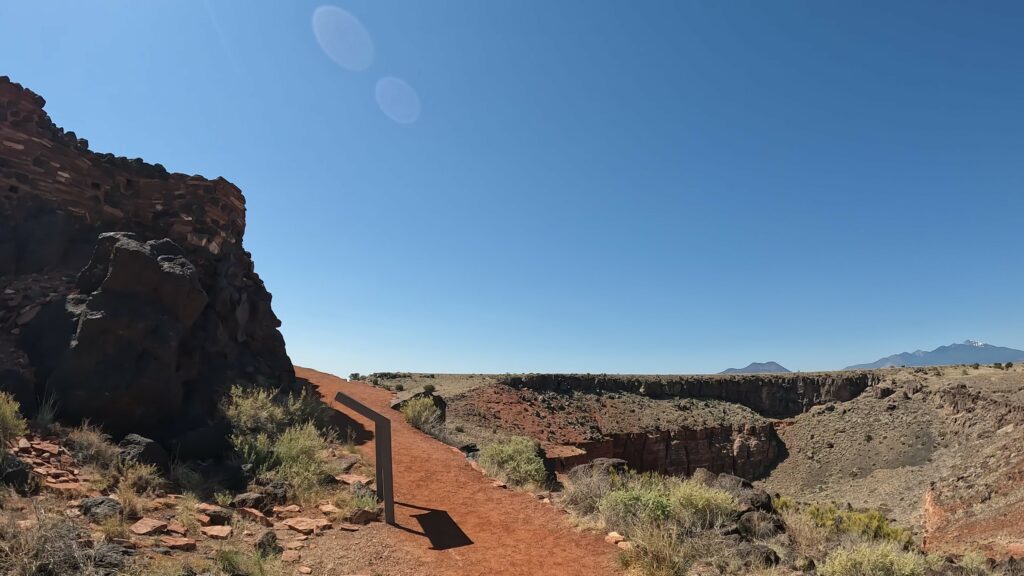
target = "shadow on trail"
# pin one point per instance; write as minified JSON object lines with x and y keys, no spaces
{"x":349,"y":429}
{"x":438,"y":527}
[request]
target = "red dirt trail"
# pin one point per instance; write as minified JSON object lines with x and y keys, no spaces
{"x":512,"y":532}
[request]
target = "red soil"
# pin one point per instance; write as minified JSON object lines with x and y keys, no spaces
{"x":512,"y":532}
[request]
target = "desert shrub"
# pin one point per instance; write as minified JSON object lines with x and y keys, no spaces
{"x":587,"y":486}
{"x":253,"y":411}
{"x":782,"y":503}
{"x":806,"y":536}
{"x":399,"y":387}
{"x":12,"y":424}
{"x":114,"y":528}
{"x":656,"y":551}
{"x":627,"y":508}
{"x":223,"y":498}
{"x":52,"y":546}
{"x":143,"y":479}
{"x":975,"y":365}
{"x":183,"y":475}
{"x":422,"y":413}
{"x":355,"y":376}
{"x":998,"y":365}
{"x":516,"y":461}
{"x":870,"y":524}
{"x":699,"y":507}
{"x":429,"y":388}
{"x":306,"y":406}
{"x":300,"y":461}
{"x":350,"y":500}
{"x":883,"y":559}
{"x":91,"y":446}
{"x":973,"y":564}
{"x":1008,"y":365}
{"x":256,"y":450}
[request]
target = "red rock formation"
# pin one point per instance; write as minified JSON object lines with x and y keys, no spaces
{"x":57,"y":196}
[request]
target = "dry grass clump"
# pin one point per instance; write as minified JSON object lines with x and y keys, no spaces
{"x":12,"y":424}
{"x":92,"y":447}
{"x":516,"y":460}
{"x":52,"y":546}
{"x":875,"y":559}
{"x":187,"y":513}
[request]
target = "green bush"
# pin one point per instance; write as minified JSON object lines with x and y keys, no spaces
{"x":429,"y":388}
{"x":517,"y":461}
{"x":628,"y":508}
{"x":885,"y":559}
{"x":299,"y":459}
{"x":422,"y":413}
{"x":254,"y":410}
{"x":12,"y":424}
{"x":586,"y":487}
{"x":696,"y":506}
{"x":870,"y":524}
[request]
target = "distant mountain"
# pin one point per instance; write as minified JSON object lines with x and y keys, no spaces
{"x":969,"y":352}
{"x":756,"y":368}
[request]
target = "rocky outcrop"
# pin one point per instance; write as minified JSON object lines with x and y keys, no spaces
{"x":773,"y":395}
{"x":748,"y":451}
{"x":140,"y":330}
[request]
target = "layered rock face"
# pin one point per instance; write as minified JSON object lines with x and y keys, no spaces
{"x":773,"y":395}
{"x":748,"y":451}
{"x":163,"y":316}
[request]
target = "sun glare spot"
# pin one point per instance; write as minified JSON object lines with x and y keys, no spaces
{"x":343,"y":38}
{"x":398,"y":100}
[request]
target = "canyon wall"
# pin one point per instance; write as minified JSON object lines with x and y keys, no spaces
{"x":749,"y":451}
{"x":177,"y":278}
{"x":772,"y":395}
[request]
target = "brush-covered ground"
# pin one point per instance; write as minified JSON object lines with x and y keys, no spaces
{"x":936,"y":451}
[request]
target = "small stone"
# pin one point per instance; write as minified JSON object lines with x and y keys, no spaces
{"x":305,"y":570}
{"x":354,"y":479}
{"x":216,"y":514}
{"x":176,"y":527}
{"x":363,"y":516}
{"x":348,"y":527}
{"x":216,"y":532}
{"x":625,"y":545}
{"x":329,"y":509}
{"x":613,"y":538}
{"x":148,"y":527}
{"x":294,"y":545}
{"x":177,"y":543}
{"x":284,"y":510}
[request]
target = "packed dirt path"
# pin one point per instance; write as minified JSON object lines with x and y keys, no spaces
{"x":511,"y":533}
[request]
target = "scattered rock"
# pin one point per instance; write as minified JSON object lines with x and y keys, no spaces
{"x":214,"y":513}
{"x":216,"y":532}
{"x":18,"y":475}
{"x":613,"y":538}
{"x":148,"y":527}
{"x":759,"y":525}
{"x":175,"y":527}
{"x":141,"y":450}
{"x":178,"y":543}
{"x":305,"y":570}
{"x":251,"y":500}
{"x":255,"y":516}
{"x":307,"y":525}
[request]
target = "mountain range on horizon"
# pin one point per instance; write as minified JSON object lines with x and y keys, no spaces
{"x":967,"y":352}
{"x":757,"y":368}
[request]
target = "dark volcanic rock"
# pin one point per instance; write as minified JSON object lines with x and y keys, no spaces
{"x":141,"y":450}
{"x":18,"y":475}
{"x":164,"y":317}
{"x":99,"y":508}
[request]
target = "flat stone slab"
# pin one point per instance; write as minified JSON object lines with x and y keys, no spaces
{"x":148,"y":527}
{"x":307,"y":525}
{"x":216,"y":532}
{"x":178,"y":543}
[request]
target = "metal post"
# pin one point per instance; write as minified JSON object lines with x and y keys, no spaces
{"x":382,"y":441}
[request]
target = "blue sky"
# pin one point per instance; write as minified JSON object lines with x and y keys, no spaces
{"x":583,"y":186}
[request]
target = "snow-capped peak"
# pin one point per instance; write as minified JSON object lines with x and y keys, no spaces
{"x":974,"y":343}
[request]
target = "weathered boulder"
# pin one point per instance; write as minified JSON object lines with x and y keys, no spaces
{"x":756,"y":525}
{"x":99,"y":508}
{"x":137,"y":449}
{"x":120,"y":367}
{"x":18,"y":475}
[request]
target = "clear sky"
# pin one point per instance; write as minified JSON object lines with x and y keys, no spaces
{"x":579,"y":186}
